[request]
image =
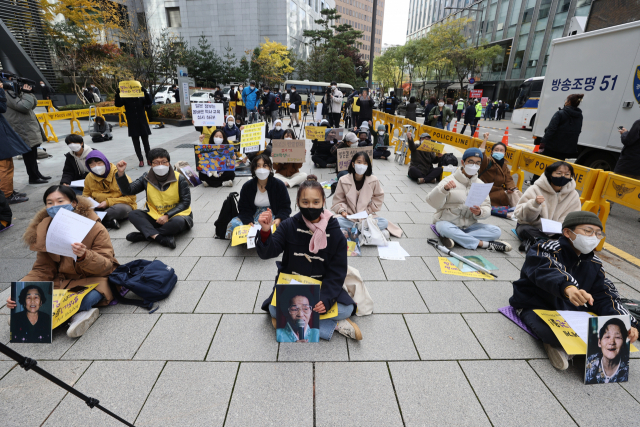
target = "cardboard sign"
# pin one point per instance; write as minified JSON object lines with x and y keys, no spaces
{"x":67,"y":303}
{"x":288,"y":151}
{"x":207,"y":114}
{"x":252,"y":138}
{"x":346,"y":154}
{"x":240,"y":234}
{"x":315,"y":132}
{"x":431,"y":146}
{"x":215,"y":158}
{"x":130,"y":89}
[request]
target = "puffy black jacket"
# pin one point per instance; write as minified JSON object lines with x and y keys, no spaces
{"x":563,"y":131}
{"x":630,"y":154}
{"x":269,"y":102}
{"x":71,"y":171}
{"x":134,"y":110}
{"x":295,"y":98}
{"x":279,"y":201}
{"x":366,"y":109}
{"x":551,"y":267}
{"x":390,"y":105}
{"x":469,"y":115}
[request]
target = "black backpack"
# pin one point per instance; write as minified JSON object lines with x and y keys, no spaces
{"x":448,"y":159}
{"x":228,"y":211}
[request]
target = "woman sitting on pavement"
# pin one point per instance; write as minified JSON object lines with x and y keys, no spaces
{"x":381,"y":144}
{"x":363,"y":138}
{"x":289,"y":173}
{"x":95,"y":257}
{"x":495,"y":170}
{"x":102,"y":187}
{"x":421,"y":167}
{"x":552,"y":197}
{"x":75,"y":168}
{"x":313,"y":246}
{"x":349,"y":140}
{"x":231,"y":130}
{"x":321,"y":150}
{"x":360,"y":191}
{"x":218,"y":179}
{"x":101,"y":130}
{"x":262,"y":192}
{"x":454,"y":221}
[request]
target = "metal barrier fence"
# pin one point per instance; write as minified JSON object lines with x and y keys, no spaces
{"x":73,"y":115}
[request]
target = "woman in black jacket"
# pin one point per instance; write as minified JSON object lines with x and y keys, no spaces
{"x":321,"y":151}
{"x":134,"y":110}
{"x":75,"y":168}
{"x":560,"y":139}
{"x":366,"y":108}
{"x":411,"y":109}
{"x":312,"y":245}
{"x":262,"y":192}
{"x":630,"y":155}
{"x":432,"y":103}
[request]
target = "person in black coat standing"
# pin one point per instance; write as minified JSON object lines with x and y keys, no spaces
{"x":134,"y":110}
{"x":560,"y":139}
{"x":46,"y":92}
{"x":294,"y":106}
{"x":469,"y":118}
{"x":411,"y":109}
{"x":630,"y":155}
{"x":366,"y":108}
{"x":432,"y":103}
{"x":11,"y":145}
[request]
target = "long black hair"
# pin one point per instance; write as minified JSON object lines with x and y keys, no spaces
{"x":555,"y":166}
{"x":311,"y":182}
{"x":22,"y":298}
{"x":64,"y":189}
{"x":254,"y":164}
{"x":352,"y":170}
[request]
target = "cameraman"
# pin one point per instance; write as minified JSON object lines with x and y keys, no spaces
{"x":270,"y":106}
{"x":11,"y":145}
{"x":333,"y":99}
{"x":20,"y":105}
{"x":294,"y":106}
{"x":251,"y":100}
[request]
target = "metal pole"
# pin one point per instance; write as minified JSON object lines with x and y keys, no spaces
{"x":372,"y":48}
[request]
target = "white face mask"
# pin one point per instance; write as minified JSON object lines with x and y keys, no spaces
{"x":74,"y":147}
{"x":218,"y":140}
{"x":585,"y":244}
{"x":230,"y":124}
{"x":381,"y":132}
{"x":278,"y":127}
{"x":333,"y":87}
{"x":262,"y":173}
{"x":360,"y":169}
{"x":440,"y":104}
{"x":240,"y":88}
{"x":293,"y":91}
{"x":253,"y":87}
{"x":471,"y":169}
{"x":99,"y":170}
{"x":288,"y":138}
{"x":160,"y":170}
{"x":42,"y":84}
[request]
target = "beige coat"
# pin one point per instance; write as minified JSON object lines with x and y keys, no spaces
{"x":449,"y":205}
{"x":370,"y":199}
{"x":556,"y":206}
{"x":66,"y":273}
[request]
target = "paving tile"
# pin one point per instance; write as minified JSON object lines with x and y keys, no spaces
{"x":458,"y":342}
{"x":216,"y":268}
{"x":179,"y":337}
{"x":123,"y":247}
{"x":585,"y":402}
{"x":324,"y":351}
{"x":492,"y":294}
{"x":404,"y":197}
{"x":448,"y":297}
{"x":182,"y":265}
{"x":385,"y":337}
{"x":124,"y":333}
{"x":125,"y":228}
{"x":122,"y":387}
{"x":369,"y":268}
{"x":334,"y":385}
{"x":418,"y":247}
{"x":422,"y":206}
{"x":396,"y":297}
{"x":503,"y":339}
{"x":434,"y":267}
{"x":512,"y":394}
{"x":14,"y":269}
{"x":205,"y":247}
{"x":19,"y":387}
{"x":60,"y":343}
{"x":435,"y":393}
{"x":412,"y":268}
{"x":228,"y":297}
{"x":205,"y":215}
{"x":266,"y":287}
{"x":397,"y":217}
{"x":394,"y":206}
{"x":203,"y":229}
{"x":240,"y":251}
{"x":418,"y":231}
{"x":183,"y":298}
{"x":157,"y":250}
{"x":190,"y":394}
{"x":421,"y":217}
{"x":278,"y":379}
{"x":259,"y":269}
{"x":254,"y":331}
{"x":6,"y":366}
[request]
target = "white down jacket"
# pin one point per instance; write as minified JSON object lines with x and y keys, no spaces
{"x":555,"y":207}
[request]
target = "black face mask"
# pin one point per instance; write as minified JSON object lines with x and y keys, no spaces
{"x":311,"y":214}
{"x":560,"y":181}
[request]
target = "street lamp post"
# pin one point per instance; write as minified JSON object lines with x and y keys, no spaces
{"x":372,"y":48}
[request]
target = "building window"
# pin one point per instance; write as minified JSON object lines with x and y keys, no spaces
{"x":173,"y":17}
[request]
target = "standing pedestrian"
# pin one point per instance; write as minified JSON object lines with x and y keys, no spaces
{"x":391,"y":103}
{"x":233,"y":96}
{"x":630,"y":155}
{"x":427,"y":109}
{"x":241,"y":111}
{"x":311,"y":104}
{"x":440,"y":116}
{"x":294,"y":106}
{"x":11,"y":145}
{"x":560,"y":139}
{"x":411,"y":109}
{"x":46,"y":92}
{"x":365,"y":103}
{"x":478,"y":112}
{"x":333,"y":98}
{"x":487,"y":111}
{"x":460,"y":109}
{"x":501,"y":109}
{"x":250,"y":100}
{"x":134,"y":110}
{"x":270,"y":106}
{"x":449,"y":105}
{"x":96,"y":93}
{"x":469,"y":118}
{"x":176,"y":93}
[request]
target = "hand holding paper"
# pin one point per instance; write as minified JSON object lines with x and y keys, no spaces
{"x":66,"y":229}
{"x":477,"y":194}
{"x":550,"y":226}
{"x":359,"y":215}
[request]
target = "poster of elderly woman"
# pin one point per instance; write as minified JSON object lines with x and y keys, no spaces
{"x":31,"y":319}
{"x":296,"y":321}
{"x":607,"y":350}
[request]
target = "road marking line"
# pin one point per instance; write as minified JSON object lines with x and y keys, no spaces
{"x":622,"y":254}
{"x":526,"y":147}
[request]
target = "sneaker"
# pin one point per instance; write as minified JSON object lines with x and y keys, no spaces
{"x":349,"y":329}
{"x":386,"y":234}
{"x":557,"y":356}
{"x":166,"y":241}
{"x":136,"y":237}
{"x":19,"y":194}
{"x":331,"y":165}
{"x":499,"y":246}
{"x":447,"y":242}
{"x":113,"y":224}
{"x":81,"y":321}
{"x":317,"y":165}
{"x":204,"y":184}
{"x":420,"y":180}
{"x":296,"y":126}
{"x":15,"y":198}
{"x":228,"y":183}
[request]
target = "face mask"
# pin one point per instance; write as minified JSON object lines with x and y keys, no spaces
{"x":360,"y":169}
{"x":311,"y":214}
{"x":160,"y":170}
{"x":74,"y":147}
{"x":381,"y":133}
{"x":253,"y":87}
{"x":262,"y":173}
{"x":238,"y":124}
{"x":53,"y":210}
{"x":440,"y":104}
{"x":585,"y":244}
{"x":471,"y":169}
{"x":42,"y":85}
{"x":230,"y":124}
{"x":217,"y":140}
{"x":498,"y":156}
{"x":560,"y":181}
{"x":278,"y":127}
{"x":288,"y":138}
{"x":293,"y":91}
{"x":333,"y":87}
{"x":240,"y":88}
{"x":99,"y":170}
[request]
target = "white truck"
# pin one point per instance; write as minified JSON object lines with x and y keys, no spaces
{"x":604,"y":65}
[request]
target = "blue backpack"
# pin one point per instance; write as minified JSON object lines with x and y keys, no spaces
{"x":150,"y":280}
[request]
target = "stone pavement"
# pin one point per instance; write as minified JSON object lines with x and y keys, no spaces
{"x":435,"y":351}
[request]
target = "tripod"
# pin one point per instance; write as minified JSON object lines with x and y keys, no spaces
{"x":304,"y":121}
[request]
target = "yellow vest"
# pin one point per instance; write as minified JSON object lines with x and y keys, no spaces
{"x":161,"y":202}
{"x":355,"y":108}
{"x":240,"y":103}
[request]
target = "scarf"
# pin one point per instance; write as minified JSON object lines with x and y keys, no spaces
{"x":80,"y":161}
{"x":319,"y":229}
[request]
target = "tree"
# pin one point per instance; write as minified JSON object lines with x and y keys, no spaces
{"x":274,"y":62}
{"x":244,"y":70}
{"x":204,"y":64}
{"x":229,"y":69}
{"x":255,"y":67}
{"x":386,"y":70}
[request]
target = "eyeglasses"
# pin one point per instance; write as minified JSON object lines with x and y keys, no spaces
{"x":160,"y":163}
{"x":297,"y":308}
{"x":590,"y":232}
{"x":471,"y":162}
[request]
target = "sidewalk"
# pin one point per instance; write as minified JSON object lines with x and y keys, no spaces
{"x":435,"y":351}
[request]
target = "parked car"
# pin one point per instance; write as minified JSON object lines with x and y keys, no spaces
{"x":402,"y":110}
{"x":165,"y":96}
{"x":201,"y":97}
{"x":225,"y":92}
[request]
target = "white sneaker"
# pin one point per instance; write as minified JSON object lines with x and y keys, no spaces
{"x":349,"y":329}
{"x":386,"y":234}
{"x":204,"y":184}
{"x":81,"y":321}
{"x":228,"y":183}
{"x":447,"y":242}
{"x":499,"y":246}
{"x":557,"y":356}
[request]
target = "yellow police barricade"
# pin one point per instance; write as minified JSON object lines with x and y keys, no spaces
{"x":114,"y":110}
{"x":42,"y":118}
{"x":76,"y":115}
{"x":46,"y":103}
{"x":151,"y":123}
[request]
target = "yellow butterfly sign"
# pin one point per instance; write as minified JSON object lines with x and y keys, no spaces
{"x":66,"y":303}
{"x":130,"y":89}
{"x":285,"y":279}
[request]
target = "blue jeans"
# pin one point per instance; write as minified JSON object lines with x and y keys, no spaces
{"x":89,"y":300}
{"x":438,"y":125}
{"x":468,"y":237}
{"x":312,"y":109}
{"x":448,"y":126}
{"x":237,"y":222}
{"x":346,"y":224}
{"x":327,"y":326}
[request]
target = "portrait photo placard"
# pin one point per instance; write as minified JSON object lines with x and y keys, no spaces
{"x":295,"y":319}
{"x":31,"y":319}
{"x":608,"y":350}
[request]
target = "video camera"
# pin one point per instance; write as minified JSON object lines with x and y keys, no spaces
{"x":16,"y":83}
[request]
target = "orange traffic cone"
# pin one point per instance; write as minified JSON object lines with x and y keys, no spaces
{"x":477,"y":133}
{"x":455,"y":127}
{"x":536,"y":148}
{"x":505,"y":137}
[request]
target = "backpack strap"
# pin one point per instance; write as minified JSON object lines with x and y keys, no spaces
{"x":487,"y":168}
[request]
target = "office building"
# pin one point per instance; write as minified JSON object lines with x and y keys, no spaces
{"x":359,"y":14}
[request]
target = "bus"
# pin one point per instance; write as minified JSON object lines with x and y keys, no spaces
{"x":526,"y":107}
{"x":303,"y":87}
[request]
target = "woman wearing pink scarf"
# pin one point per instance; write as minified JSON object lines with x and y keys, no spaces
{"x":312,"y":245}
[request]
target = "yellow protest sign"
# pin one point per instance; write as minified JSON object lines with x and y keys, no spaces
{"x":431,"y":146}
{"x":447,"y":267}
{"x":252,"y":137}
{"x":315,"y":132}
{"x":285,"y":279}
{"x":67,"y":303}
{"x":240,"y":234}
{"x":130,"y":89}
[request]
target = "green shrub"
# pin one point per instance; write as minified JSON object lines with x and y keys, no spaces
{"x":169,"y":111}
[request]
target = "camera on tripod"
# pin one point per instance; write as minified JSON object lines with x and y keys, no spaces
{"x":17,"y":83}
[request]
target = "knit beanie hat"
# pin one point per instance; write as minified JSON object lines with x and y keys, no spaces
{"x":581,"y":217}
{"x":351,"y":137}
{"x":471,"y":152}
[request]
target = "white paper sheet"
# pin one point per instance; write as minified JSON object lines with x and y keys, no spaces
{"x":579,"y":322}
{"x":78,"y":183}
{"x":231,"y":138}
{"x":477,"y":194}
{"x":292,"y":107}
{"x":295,"y":282}
{"x":550,"y":226}
{"x":94,"y":204}
{"x":251,"y":237}
{"x":359,"y":215}
{"x":67,"y":228}
{"x":101,"y":215}
{"x":392,"y":252}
